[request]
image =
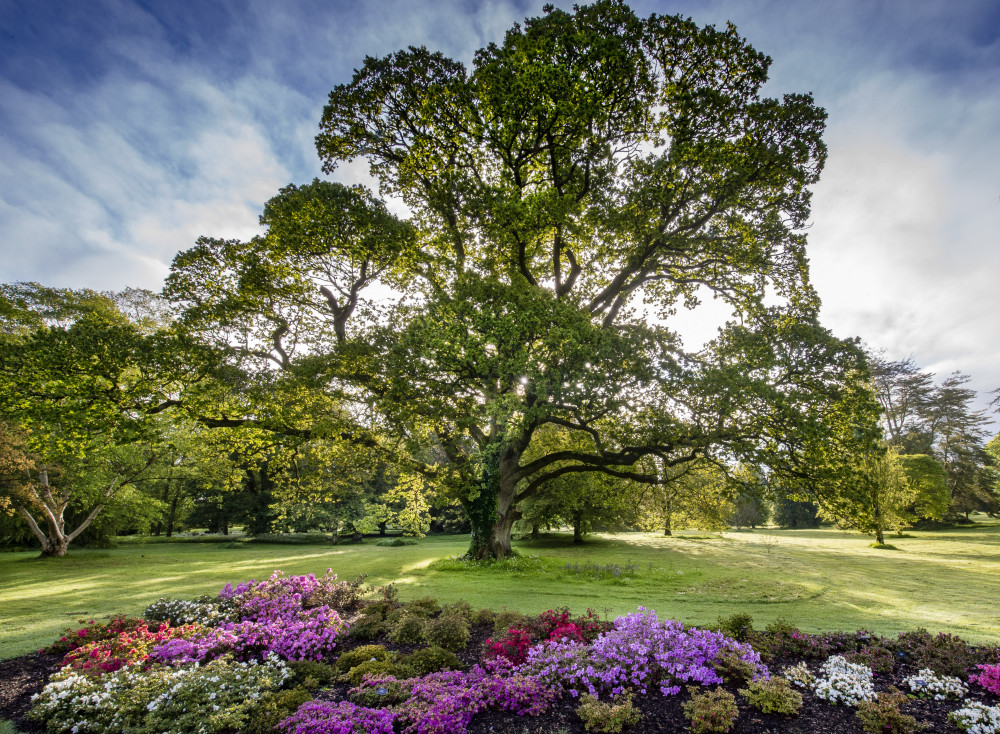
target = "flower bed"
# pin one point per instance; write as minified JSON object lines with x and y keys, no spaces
{"x":279,"y":655}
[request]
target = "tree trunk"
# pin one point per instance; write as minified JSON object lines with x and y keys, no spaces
{"x":534,"y":531}
{"x":879,"y":538}
{"x":667,"y":517}
{"x":577,"y":527}
{"x":381,"y":528}
{"x":172,"y":515}
{"x":492,"y":513}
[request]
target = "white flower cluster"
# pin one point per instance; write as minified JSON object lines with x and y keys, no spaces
{"x":976,"y":718}
{"x":799,"y":675}
{"x":927,"y":683}
{"x":844,"y":682}
{"x":179,"y":611}
{"x":157,"y":700}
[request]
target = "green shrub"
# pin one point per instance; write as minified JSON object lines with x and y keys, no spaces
{"x":368,"y":628}
{"x":943,"y":653}
{"x":377,"y":609}
{"x":375,"y":667}
{"x":432,"y":659}
{"x":448,"y":631}
{"x":876,"y":657}
{"x":409,"y":630}
{"x":272,"y":708}
{"x":424,"y":607}
{"x":367,"y":694}
{"x":7,"y":727}
{"x":710,"y":711}
{"x":396,"y":542}
{"x":738,"y":626}
{"x":483,"y":617}
{"x":507,"y":619}
{"x":462,"y":608}
{"x":604,"y":716}
{"x":774,"y":696}
{"x":312,"y":669}
{"x":733,"y":670}
{"x":361,"y":654}
{"x":882,"y":716}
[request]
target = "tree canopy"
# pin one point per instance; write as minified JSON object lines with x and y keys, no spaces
{"x":567,"y":194}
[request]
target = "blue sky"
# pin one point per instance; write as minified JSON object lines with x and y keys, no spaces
{"x":129,"y":128}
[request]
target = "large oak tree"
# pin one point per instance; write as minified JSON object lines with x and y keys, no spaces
{"x":568,"y":193}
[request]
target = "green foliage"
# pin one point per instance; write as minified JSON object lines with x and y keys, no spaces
{"x":710,"y":711}
{"x":432,"y":659}
{"x":460,"y":608}
{"x":449,"y":631}
{"x":396,"y":542}
{"x":507,"y":619}
{"x":739,"y":626}
{"x":369,"y":627}
{"x":358,"y":655}
{"x":321,"y":673}
{"x":369,"y":696}
{"x":944,"y":653}
{"x":733,"y":670}
{"x":424,"y":607}
{"x":608,"y":716}
{"x":409,"y":630}
{"x":272,"y":708}
{"x":882,"y":716}
{"x":375,"y":667}
{"x":789,"y":513}
{"x":483,"y":617}
{"x":876,"y":657}
{"x":772,"y":696}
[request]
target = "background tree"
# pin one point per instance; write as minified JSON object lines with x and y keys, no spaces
{"x":88,"y":388}
{"x":592,"y":163}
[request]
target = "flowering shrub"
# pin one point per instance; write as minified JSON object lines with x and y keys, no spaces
{"x":270,"y":617}
{"x":844,"y":682}
{"x":976,"y":718}
{"x":213,"y":698}
{"x":131,"y":645}
{"x":772,"y":696}
{"x":178,"y":611}
{"x":641,"y":650}
{"x":927,"y":684}
{"x":91,"y":632}
{"x":943,"y":653}
{"x":321,"y":717}
{"x":989,"y":678}
{"x":512,"y":647}
{"x":799,"y":675}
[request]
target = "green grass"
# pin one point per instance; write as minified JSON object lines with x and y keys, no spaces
{"x":817,"y":579}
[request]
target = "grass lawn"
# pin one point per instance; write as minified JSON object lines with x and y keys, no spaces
{"x":817,"y":579}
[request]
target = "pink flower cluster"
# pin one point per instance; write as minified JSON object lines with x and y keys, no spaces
{"x":271,"y":618}
{"x":321,"y":717}
{"x":989,"y":678}
{"x":131,"y":645}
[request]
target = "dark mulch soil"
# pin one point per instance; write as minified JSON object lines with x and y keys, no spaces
{"x":22,"y":677}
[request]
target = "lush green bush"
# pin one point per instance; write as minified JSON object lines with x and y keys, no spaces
{"x":424,"y":607}
{"x":506,"y":619}
{"x":876,"y":657}
{"x":388,"y":692}
{"x":607,"y":716}
{"x":882,"y":715}
{"x":396,"y":542}
{"x":375,"y":667}
{"x":710,"y":711}
{"x":734,"y":670}
{"x":462,"y":608}
{"x":738,"y":626}
{"x":368,"y":628}
{"x":303,"y":670}
{"x":774,"y":696}
{"x":943,"y":653}
{"x":449,"y":631}
{"x":484,"y":617}
{"x":361,"y":654}
{"x":409,"y":630}
{"x":274,"y":707}
{"x":432,"y":659}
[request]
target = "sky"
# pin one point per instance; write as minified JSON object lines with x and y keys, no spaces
{"x":128,"y":128}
